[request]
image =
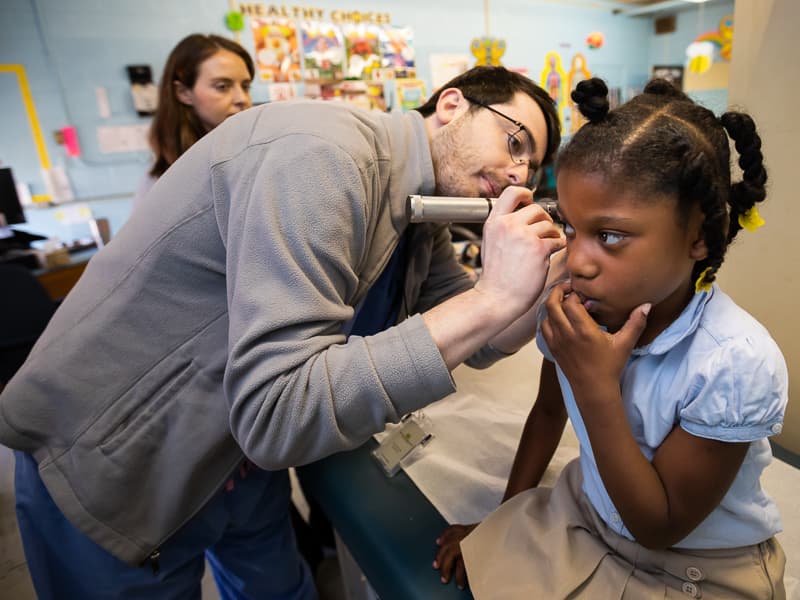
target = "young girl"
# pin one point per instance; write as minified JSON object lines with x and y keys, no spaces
{"x":671,"y":388}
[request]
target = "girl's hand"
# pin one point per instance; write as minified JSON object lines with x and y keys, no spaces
{"x":589,"y":356}
{"x":449,"y":558}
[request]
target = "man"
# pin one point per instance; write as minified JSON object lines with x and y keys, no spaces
{"x":248,"y":310}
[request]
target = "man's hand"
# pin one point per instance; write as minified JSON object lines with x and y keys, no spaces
{"x":516,"y":251}
{"x":448,"y":558}
{"x":518,"y":239}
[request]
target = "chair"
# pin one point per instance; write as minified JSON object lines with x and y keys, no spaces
{"x":25,"y":310}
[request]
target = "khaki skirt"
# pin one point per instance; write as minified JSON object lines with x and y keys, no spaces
{"x":551,"y":543}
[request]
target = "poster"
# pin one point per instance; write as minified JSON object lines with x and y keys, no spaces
{"x":282,"y":91}
{"x":410,"y":93}
{"x":323,"y":51}
{"x":366,"y":94}
{"x":363,"y":49}
{"x":554,"y":82}
{"x":397,"y":50}
{"x":277,"y":52}
{"x":577,"y":72}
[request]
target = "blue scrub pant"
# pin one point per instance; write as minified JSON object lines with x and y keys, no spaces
{"x":244,"y":531}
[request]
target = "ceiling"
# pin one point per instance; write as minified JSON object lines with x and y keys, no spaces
{"x":642,"y":7}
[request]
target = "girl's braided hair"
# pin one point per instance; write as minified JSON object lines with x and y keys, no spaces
{"x":661,"y":142}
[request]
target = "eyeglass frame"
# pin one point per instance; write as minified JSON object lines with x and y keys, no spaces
{"x":534,"y":171}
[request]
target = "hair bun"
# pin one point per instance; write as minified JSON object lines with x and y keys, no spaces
{"x":591,"y":96}
{"x":662,"y":87}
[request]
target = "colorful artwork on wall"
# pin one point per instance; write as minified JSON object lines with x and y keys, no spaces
{"x":397,"y":50}
{"x":488,"y":50}
{"x":277,"y":54}
{"x":711,"y":46}
{"x":554,"y":82}
{"x":363,"y":49}
{"x":410,"y":93}
{"x":578,"y":72}
{"x":595,"y":40}
{"x":323,"y":51}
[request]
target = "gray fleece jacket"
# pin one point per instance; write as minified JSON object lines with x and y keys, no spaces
{"x":211,"y":325}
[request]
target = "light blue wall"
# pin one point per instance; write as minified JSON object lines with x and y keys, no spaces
{"x":70,"y":47}
{"x":670,"y":48}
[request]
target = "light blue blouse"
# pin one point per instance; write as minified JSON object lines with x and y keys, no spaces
{"x":717,"y":373}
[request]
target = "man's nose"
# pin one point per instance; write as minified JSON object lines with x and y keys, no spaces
{"x":518,"y":174}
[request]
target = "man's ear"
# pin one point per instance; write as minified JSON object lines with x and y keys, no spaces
{"x":183,"y":94}
{"x":450,"y":105}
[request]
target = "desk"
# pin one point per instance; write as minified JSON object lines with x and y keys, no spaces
{"x":58,"y":281}
{"x":386,"y":523}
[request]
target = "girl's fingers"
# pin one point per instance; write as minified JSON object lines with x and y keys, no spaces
{"x":555,"y":311}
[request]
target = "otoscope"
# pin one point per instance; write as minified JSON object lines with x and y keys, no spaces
{"x":453,"y":209}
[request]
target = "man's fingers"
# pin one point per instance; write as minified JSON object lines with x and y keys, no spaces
{"x":510,"y":199}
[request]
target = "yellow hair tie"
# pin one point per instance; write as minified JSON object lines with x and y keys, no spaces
{"x":701,"y":285}
{"x":751,"y":220}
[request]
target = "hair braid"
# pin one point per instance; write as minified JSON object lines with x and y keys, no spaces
{"x":752,"y":189}
{"x":699,"y":185}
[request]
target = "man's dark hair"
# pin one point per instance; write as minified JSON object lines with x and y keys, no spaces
{"x":498,"y":85}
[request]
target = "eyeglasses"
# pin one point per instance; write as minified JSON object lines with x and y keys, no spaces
{"x":521,"y":146}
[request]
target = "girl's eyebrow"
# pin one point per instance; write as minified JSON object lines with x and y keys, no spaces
{"x":612,"y":220}
{"x":602,"y":220}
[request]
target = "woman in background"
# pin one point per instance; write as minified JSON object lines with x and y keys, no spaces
{"x":206,"y":80}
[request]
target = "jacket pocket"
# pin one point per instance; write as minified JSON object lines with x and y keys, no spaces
{"x":143,"y":421}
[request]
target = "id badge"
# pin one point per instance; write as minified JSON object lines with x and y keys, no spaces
{"x":399,"y":444}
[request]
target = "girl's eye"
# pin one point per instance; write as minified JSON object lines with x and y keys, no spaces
{"x":568,"y":230}
{"x":221,"y":87}
{"x":610,"y":238}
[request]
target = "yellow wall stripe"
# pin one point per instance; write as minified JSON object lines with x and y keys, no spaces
{"x":33,"y":119}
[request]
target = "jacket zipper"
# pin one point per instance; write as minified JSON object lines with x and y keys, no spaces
{"x":153,"y":560}
{"x":155,"y":555}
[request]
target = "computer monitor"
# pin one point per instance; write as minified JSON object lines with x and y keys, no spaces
{"x":11,"y":213}
{"x":10,"y":208}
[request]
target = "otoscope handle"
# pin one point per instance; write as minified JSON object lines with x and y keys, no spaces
{"x":452,"y":209}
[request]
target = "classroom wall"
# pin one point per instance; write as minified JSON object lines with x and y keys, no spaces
{"x":670,"y":48}
{"x":68,"y":49}
{"x":761,"y":272}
